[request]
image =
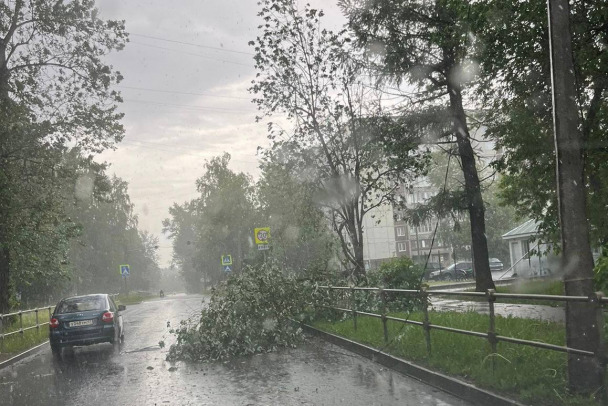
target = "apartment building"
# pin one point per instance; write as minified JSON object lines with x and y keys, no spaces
{"x":388,"y":234}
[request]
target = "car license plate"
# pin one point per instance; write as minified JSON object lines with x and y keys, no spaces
{"x":81,"y":323}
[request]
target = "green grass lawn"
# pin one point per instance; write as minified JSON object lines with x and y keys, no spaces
{"x":16,"y":343}
{"x":534,"y":376}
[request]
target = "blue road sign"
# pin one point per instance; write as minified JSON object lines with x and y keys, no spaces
{"x":124,"y":270}
{"x":227,"y":268}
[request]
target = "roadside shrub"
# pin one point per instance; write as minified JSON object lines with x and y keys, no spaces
{"x":601,"y":271}
{"x":398,"y":273}
{"x":250,"y":313}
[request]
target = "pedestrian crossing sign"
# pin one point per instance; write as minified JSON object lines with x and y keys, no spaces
{"x":226,"y":260}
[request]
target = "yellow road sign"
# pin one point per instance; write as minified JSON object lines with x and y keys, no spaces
{"x":262,"y":235}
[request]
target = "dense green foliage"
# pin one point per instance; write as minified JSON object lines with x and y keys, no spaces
{"x":251,"y":312}
{"x":398,"y":273}
{"x":516,"y":88}
{"x":301,"y":238}
{"x":222,"y":221}
{"x":430,"y":46}
{"x":601,"y":272}
{"x":55,"y":91}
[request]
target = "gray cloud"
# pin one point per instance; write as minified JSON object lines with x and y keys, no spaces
{"x":184,"y":103}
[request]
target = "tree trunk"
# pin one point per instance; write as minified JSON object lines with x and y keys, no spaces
{"x":355,"y":236}
{"x":359,"y":263}
{"x":5,"y":103}
{"x":481,"y":263}
{"x":4,"y":275}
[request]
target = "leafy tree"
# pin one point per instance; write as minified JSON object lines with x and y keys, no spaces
{"x":308,"y":73}
{"x":517,"y":87}
{"x":220,"y":221}
{"x":109,"y":237}
{"x":181,"y":229}
{"x":226,"y":217}
{"x":54,"y":89}
{"x":301,"y":238}
{"x":51,"y":63}
{"x":449,"y":205}
{"x":429,"y":45}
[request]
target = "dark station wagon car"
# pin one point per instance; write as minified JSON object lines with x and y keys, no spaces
{"x":459,"y":270}
{"x":85,"y":320}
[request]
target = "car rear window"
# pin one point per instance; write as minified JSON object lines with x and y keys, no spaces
{"x":81,"y":304}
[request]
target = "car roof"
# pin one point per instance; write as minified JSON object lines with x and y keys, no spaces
{"x":104,"y":295}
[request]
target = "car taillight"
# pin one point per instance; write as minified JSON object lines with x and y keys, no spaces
{"x":107,"y":317}
{"x":54,"y":323}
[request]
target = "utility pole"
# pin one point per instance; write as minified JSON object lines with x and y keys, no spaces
{"x":583,"y":320}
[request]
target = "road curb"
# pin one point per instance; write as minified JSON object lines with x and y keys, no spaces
{"x":463,"y":390}
{"x":22,"y":355}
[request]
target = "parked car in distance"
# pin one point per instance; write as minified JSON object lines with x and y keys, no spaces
{"x":432,"y":267}
{"x":495,"y":264}
{"x":459,"y":270}
{"x":85,"y":320}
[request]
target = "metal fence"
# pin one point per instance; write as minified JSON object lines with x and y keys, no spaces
{"x":597,"y":301}
{"x":21,"y":330}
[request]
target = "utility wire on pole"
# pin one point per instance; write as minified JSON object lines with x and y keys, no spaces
{"x":583,"y":320}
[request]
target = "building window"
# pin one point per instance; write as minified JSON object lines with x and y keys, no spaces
{"x":400,"y":231}
{"x":398,"y":217}
{"x":425,"y":227}
{"x":525,"y":249}
{"x":401,"y":247}
{"x":423,"y":243}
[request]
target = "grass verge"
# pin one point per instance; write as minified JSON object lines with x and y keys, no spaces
{"x":531,"y":375}
{"x":17,"y":343}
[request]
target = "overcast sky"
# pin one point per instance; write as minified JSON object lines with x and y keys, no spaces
{"x":186,"y":72}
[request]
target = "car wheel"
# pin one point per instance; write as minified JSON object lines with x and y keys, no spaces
{"x":56,"y":350}
{"x":117,"y":342}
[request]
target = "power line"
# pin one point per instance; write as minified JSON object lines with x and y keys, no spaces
{"x":178,"y":92}
{"x":190,"y":53}
{"x":189,"y":106}
{"x":191,"y":44}
{"x":153,"y":146}
{"x":184,"y":147}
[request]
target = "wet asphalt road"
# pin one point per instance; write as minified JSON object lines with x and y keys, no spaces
{"x":316,"y":373}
